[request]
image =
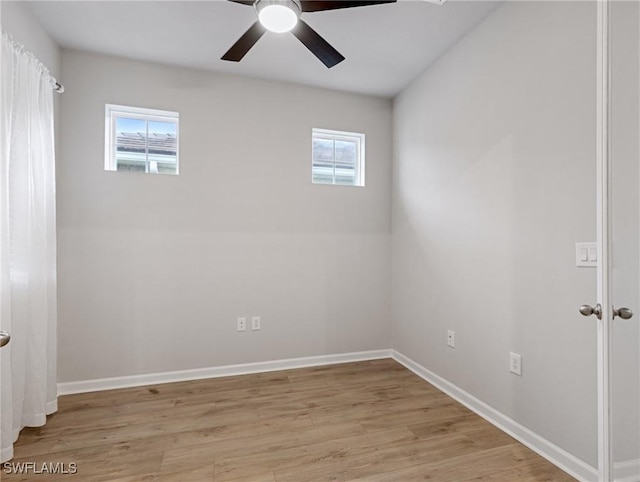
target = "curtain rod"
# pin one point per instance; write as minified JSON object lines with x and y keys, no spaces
{"x":59,"y":88}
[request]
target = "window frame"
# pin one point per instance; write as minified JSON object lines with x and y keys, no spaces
{"x":335,"y":135}
{"x":113,"y":111}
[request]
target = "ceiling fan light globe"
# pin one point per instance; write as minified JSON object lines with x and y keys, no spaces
{"x":278,"y":18}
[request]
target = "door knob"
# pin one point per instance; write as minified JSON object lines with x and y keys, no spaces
{"x":588,"y":310}
{"x":4,"y":338}
{"x":624,"y":313}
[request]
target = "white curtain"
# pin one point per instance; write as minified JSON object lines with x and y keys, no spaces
{"x":27,"y":244}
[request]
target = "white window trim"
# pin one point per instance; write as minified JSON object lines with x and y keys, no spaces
{"x":111,"y":111}
{"x":346,"y":136}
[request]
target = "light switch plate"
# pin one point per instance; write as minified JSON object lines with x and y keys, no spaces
{"x":587,"y":255}
{"x":255,"y":323}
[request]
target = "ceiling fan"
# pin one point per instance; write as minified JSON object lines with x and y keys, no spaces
{"x":284,"y":16}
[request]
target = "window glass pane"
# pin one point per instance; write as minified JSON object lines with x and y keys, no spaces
{"x":322,"y":167}
{"x":163,"y":147}
{"x":346,"y":152}
{"x":346,"y":162}
{"x":322,"y":149}
{"x":322,"y":174}
{"x":345,"y":175}
{"x":131,"y":144}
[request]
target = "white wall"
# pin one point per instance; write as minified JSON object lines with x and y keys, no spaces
{"x":494,"y":182}
{"x":153,"y":270}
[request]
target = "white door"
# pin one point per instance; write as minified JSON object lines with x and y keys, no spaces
{"x":620,"y":283}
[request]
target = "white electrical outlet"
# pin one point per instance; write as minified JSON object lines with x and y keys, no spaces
{"x":451,"y":338}
{"x":242,"y":324}
{"x":515,"y":363}
{"x":255,"y":323}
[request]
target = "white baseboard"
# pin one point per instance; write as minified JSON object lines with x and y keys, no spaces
{"x":554,"y":454}
{"x":628,"y":471}
{"x":67,"y":388}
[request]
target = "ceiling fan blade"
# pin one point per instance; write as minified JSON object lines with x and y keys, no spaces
{"x":244,"y":43}
{"x":243,"y":2}
{"x":318,"y":46}
{"x":320,"y":5}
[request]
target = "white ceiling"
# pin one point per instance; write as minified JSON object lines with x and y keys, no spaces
{"x":386,"y":46}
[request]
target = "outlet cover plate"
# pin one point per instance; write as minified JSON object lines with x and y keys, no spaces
{"x":241,"y":324}
{"x":515,"y":363}
{"x":451,"y":339}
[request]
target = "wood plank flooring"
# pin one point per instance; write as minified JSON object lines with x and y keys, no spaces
{"x":366,"y":421}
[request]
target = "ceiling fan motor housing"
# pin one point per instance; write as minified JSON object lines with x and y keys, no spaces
{"x":293,"y":5}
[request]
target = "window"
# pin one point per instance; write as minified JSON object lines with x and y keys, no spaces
{"x":337,"y":158}
{"x":141,"y":140}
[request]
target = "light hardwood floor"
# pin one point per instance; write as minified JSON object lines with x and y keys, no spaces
{"x":366,"y":421}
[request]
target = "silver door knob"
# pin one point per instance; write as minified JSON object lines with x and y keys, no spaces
{"x":624,"y":313}
{"x":588,"y":310}
{"x":4,"y":338}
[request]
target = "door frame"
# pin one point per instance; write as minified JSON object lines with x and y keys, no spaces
{"x":603,"y":228}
